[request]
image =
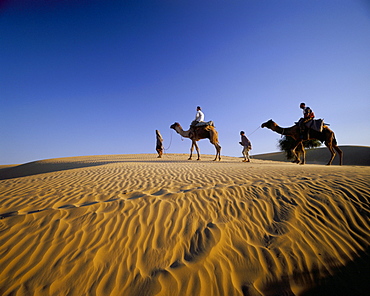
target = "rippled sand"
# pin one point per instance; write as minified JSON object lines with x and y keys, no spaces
{"x":137,"y":225}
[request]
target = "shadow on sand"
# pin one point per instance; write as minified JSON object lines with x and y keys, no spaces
{"x":351,"y":279}
{"x":40,"y":167}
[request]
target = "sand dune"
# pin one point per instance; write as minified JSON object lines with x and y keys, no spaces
{"x":353,"y":155}
{"x":137,"y":225}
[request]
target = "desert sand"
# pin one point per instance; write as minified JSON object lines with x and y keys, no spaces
{"x":353,"y":155}
{"x":140,"y":226}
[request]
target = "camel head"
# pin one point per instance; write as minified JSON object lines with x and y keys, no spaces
{"x":269,"y":124}
{"x":176,"y":124}
{"x":178,"y":129}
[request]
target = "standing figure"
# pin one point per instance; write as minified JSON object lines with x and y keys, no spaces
{"x":246,"y":147}
{"x":159,"y":146}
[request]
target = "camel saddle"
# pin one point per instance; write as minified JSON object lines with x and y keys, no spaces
{"x":204,"y":123}
{"x":315,"y":124}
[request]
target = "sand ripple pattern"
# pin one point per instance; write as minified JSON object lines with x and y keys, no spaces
{"x":134,"y":225}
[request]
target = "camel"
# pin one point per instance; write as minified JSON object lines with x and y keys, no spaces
{"x":327,"y":136}
{"x":200,"y":132}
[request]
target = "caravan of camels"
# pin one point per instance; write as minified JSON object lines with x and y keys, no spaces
{"x":208,"y":131}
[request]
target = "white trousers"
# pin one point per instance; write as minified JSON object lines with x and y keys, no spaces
{"x":245,"y":152}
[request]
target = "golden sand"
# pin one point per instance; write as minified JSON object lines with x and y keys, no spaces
{"x":137,"y":225}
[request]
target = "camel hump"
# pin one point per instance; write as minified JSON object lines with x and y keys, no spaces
{"x":213,"y":134}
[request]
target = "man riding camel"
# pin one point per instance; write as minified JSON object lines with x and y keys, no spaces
{"x":199,"y":121}
{"x":199,"y":117}
{"x":308,"y":115}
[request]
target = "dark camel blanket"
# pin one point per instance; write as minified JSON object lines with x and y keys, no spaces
{"x":316,"y":124}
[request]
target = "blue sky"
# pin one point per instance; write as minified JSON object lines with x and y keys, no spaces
{"x":99,"y":77}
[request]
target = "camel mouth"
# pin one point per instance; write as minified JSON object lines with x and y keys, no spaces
{"x":174,"y":125}
{"x":267,"y":123}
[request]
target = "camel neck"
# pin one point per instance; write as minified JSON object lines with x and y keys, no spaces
{"x":183,"y":133}
{"x":280,"y":130}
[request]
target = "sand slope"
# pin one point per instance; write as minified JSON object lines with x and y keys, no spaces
{"x":136,"y":225}
{"x":353,"y":155}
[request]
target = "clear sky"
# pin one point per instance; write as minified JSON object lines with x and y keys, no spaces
{"x":93,"y":77}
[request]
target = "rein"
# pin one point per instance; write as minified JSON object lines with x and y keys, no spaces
{"x":254,"y":131}
{"x":170,"y":143}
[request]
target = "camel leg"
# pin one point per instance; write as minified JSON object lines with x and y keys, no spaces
{"x":303,"y":151}
{"x":340,"y":152}
{"x":197,"y":148}
{"x":218,"y":152}
{"x":191,"y":150}
{"x":297,"y":156}
{"x":330,"y":147}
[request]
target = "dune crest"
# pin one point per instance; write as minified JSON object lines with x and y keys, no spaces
{"x":137,"y":225}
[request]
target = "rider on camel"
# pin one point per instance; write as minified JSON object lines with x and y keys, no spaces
{"x":308,"y":115}
{"x":199,"y":117}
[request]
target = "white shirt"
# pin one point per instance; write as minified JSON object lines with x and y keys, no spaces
{"x":199,"y":116}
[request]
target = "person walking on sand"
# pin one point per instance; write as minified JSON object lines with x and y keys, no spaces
{"x":246,"y":146}
{"x":159,"y":146}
